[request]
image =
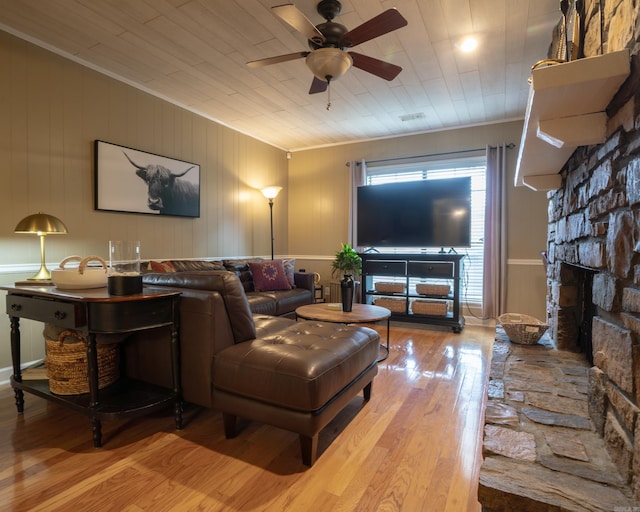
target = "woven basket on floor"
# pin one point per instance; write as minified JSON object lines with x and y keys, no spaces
{"x":522,"y":329}
{"x":66,"y":364}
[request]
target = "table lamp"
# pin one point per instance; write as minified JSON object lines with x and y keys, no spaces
{"x":41,"y":224}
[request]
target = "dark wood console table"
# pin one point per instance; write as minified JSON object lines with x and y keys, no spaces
{"x":92,"y":312}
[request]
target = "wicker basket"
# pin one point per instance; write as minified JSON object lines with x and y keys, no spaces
{"x":433,"y":289}
{"x":522,"y":329}
{"x":429,"y":307}
{"x":395,"y":305}
{"x":389,"y":287}
{"x":66,"y":364}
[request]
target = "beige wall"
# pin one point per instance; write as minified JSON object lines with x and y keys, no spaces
{"x":51,"y":111}
{"x":318,"y":199}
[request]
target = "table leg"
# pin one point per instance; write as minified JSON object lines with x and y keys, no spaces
{"x":176,"y":366}
{"x":388,"y":330}
{"x":386,"y":347}
{"x":178,"y":413}
{"x":94,"y":399}
{"x":96,"y":432}
{"x":15,"y":358}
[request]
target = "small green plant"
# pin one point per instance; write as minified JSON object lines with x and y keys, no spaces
{"x":347,"y":261}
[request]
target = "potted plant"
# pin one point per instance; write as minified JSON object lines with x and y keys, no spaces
{"x":347,"y":262}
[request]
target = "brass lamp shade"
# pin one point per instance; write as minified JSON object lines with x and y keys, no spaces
{"x":41,"y":224}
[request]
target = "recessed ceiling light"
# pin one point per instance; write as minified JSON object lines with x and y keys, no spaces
{"x":468,"y":44}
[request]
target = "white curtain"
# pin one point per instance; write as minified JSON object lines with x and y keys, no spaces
{"x":357,"y":174}
{"x":495,"y":234}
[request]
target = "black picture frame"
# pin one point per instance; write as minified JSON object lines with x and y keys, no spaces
{"x":133,"y":181}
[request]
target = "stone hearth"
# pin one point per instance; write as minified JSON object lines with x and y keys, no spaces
{"x":541,"y":450}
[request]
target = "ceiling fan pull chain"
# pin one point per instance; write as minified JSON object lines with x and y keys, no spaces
{"x":328,"y":93}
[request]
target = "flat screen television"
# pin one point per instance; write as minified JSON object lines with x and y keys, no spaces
{"x":425,"y":213}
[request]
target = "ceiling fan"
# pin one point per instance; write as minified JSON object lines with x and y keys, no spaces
{"x":328,"y":58}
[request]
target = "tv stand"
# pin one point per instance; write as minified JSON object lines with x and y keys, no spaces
{"x":431,"y":291}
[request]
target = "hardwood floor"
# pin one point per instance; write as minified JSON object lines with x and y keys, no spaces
{"x":415,"y":446}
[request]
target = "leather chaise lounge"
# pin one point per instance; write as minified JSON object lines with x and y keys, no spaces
{"x":295,"y":375}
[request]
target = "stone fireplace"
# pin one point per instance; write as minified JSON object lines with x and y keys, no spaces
{"x":550,"y":410}
{"x":593,"y":277}
{"x":593,"y":252}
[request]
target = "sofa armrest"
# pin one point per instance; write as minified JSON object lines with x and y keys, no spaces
{"x":222,"y":281}
{"x":305,"y":280}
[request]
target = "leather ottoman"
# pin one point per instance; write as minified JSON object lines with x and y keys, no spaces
{"x":297,"y":378}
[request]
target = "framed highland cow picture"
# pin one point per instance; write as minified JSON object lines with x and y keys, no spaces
{"x":133,"y":181}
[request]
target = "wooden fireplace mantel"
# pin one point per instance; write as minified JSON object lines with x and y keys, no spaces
{"x":566,"y":109}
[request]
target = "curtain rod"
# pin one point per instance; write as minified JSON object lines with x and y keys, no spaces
{"x":511,"y":145}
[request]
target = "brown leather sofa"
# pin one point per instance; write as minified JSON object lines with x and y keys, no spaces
{"x":278,"y":303}
{"x":294,"y":375}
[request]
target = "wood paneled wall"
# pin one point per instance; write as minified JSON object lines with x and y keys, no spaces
{"x":51,"y":111}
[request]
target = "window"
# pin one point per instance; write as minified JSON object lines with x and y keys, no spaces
{"x":474,"y":167}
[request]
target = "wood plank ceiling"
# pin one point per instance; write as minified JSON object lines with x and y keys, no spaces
{"x":194,"y":53}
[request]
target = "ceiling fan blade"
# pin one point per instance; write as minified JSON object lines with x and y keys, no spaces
{"x":296,"y":18}
{"x":376,"y":67}
{"x":318,"y":86}
{"x":383,"y":23}
{"x":275,"y":60}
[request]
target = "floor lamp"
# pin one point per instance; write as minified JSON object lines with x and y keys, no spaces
{"x":41,"y":224}
{"x":271,"y":193}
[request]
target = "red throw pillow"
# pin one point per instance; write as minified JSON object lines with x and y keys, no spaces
{"x":269,"y":276}
{"x":162,"y":266}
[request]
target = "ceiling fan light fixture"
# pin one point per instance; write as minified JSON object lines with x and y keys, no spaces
{"x":329,"y":63}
